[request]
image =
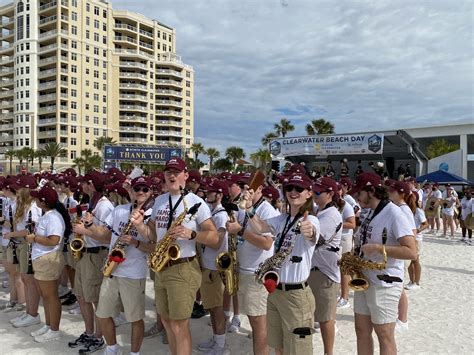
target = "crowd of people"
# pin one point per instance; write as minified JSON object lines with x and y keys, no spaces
{"x":89,"y":243}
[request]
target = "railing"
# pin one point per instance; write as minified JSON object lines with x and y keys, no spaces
{"x":7,"y":47}
{"x":146,"y":45}
{"x":169,"y":72}
{"x":134,"y":129}
{"x":133,"y":139}
{"x":7,"y":33}
{"x":125,"y":26}
{"x":170,"y":123}
{"x":9,"y":21}
{"x":6,"y":59}
{"x":168,"y":92}
{"x":133,"y":51}
{"x":133,"y":118}
{"x":6,"y":70}
{"x":133,"y":64}
{"x":6,"y":82}
{"x":48,"y":5}
{"x":6,"y":93}
{"x":133,"y":107}
{"x":129,"y":85}
{"x":6,"y":103}
{"x":146,"y":33}
{"x":47,"y":72}
{"x":168,"y":82}
{"x":49,"y":84}
{"x":125,"y":39}
{"x":133,"y":75}
{"x":47,"y":121}
{"x":48,"y":19}
{"x":168,"y":112}
{"x":129,"y":96}
{"x":4,"y":127}
{"x":46,"y":134}
{"x":169,"y":133}
{"x":168,"y":102}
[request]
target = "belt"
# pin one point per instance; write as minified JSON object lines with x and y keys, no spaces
{"x":94,"y":250}
{"x":289,"y":287}
{"x":315,"y":268}
{"x":180,"y":261}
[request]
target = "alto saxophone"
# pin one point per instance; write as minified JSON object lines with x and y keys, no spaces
{"x":352,"y":265}
{"x":227,"y":264}
{"x":77,"y":244}
{"x":166,"y":249}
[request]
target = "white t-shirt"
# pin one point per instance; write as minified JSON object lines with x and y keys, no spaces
{"x":347,"y":212}
{"x":466,"y":207}
{"x":449,"y":211}
{"x":103,"y":208}
{"x":297,"y":265}
{"x":5,"y":208}
{"x":36,"y":213}
{"x":351,"y":201}
{"x":409,"y":215}
{"x":134,"y":266}
{"x":161,"y":214}
{"x":70,"y":202}
{"x":220,"y":218}
{"x":248,"y":255}
{"x":420,"y":218}
{"x":51,"y":223}
{"x":326,"y":256}
{"x":393,"y":219}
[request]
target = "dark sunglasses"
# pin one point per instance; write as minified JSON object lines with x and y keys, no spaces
{"x":289,"y":188}
{"x":318,"y":193}
{"x":141,"y":188}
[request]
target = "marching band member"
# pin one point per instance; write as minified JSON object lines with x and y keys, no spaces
{"x":290,"y":306}
{"x":448,"y":205}
{"x":47,"y":258}
{"x":467,"y":208}
{"x":126,"y":285}
{"x":89,"y":275}
{"x":255,"y":249}
{"x":212,"y":288}
{"x":26,"y":214}
{"x":377,"y":307}
{"x":437,"y":196}
{"x":176,"y":284}
{"x":325,"y":275}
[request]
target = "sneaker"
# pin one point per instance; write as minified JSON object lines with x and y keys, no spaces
{"x":92,"y":346}
{"x":198,"y":311}
{"x":40,"y":331}
{"x":469,"y":242}
{"x":27,"y":321}
{"x":50,"y":335}
{"x":17,"y":318}
{"x":69,"y":299}
{"x":153,"y":331}
{"x":343,"y":303}
{"x":120,"y":320}
{"x":83,"y":339}
{"x":8,"y":307}
{"x":73,"y":306}
{"x":408,"y":285}
{"x":317,"y":327}
{"x":217,"y":350}
{"x":76,"y":310}
{"x":208,"y":345}
{"x":5,"y":284}
{"x":401,"y":327}
{"x":234,"y":325}
{"x":462,"y":240}
{"x":19,"y":307}
{"x":108,"y":351}
{"x":413,"y":286}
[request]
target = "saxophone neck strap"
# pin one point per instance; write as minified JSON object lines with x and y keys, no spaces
{"x":174,"y":208}
{"x":382,"y":204}
{"x":286,"y":229}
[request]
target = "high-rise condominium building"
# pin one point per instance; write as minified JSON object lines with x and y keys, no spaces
{"x":72,"y":71}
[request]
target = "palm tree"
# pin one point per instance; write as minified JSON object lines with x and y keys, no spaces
{"x":100,"y":142}
{"x":440,"y":147}
{"x":223,"y":164}
{"x":91,"y":160}
{"x":30,"y":156}
{"x":267,"y":138}
{"x":319,"y":126}
{"x":23,"y":154}
{"x":39,"y":154}
{"x":197,"y":149}
{"x":261,"y":158}
{"x":234,"y":153}
{"x":79,"y":163}
{"x":53,"y":150}
{"x":283,"y":127}
{"x":10,"y":154}
{"x":212,"y":153}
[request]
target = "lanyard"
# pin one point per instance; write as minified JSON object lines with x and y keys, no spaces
{"x":172,"y":209}
{"x":286,"y":229}
{"x":366,"y":223}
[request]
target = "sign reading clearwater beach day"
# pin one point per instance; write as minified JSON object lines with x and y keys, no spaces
{"x":344,"y":144}
{"x":152,"y":155}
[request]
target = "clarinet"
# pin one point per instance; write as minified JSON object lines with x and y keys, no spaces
{"x":30,"y":228}
{"x":12,"y":243}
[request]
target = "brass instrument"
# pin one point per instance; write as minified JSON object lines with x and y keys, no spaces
{"x":353,"y":265}
{"x":78,"y":243}
{"x":447,"y":203}
{"x":30,"y":227}
{"x":166,"y":249}
{"x":430,"y":209}
{"x":117,"y":253}
{"x":257,"y":180}
{"x":226,"y":262}
{"x":469,"y":221}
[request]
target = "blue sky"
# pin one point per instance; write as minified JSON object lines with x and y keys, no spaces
{"x":363,"y":65}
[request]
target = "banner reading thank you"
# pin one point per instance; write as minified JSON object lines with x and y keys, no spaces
{"x":371,"y":143}
{"x":154,"y":155}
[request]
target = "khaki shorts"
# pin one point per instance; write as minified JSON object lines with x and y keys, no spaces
{"x":4,"y":254}
{"x":212,"y":289}
{"x":121,"y":293}
{"x":22,"y":256}
{"x":252,"y":296}
{"x":346,"y":244}
{"x":68,"y":258}
{"x":49,"y":266}
{"x":89,"y":275}
{"x":378,"y":302}
{"x":175,"y":289}
{"x":287,"y":310}
{"x":325,"y":293}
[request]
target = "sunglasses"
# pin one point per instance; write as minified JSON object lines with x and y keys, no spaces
{"x":289,"y":188}
{"x":318,"y":193}
{"x":141,"y":188}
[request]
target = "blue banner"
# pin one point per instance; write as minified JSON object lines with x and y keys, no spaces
{"x":153,"y":155}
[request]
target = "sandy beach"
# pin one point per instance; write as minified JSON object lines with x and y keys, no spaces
{"x":441,"y":315}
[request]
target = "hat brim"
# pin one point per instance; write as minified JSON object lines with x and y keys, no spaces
{"x":320,"y":188}
{"x":299,"y":184}
{"x":354,"y":189}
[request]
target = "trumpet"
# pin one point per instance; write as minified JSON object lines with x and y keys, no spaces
{"x":78,"y":243}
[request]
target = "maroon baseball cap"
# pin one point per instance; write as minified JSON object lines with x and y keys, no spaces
{"x":24,"y":181}
{"x":218,"y":186}
{"x":70,"y":172}
{"x":175,"y":163}
{"x":345,"y":181}
{"x":141,"y":181}
{"x":194,"y":176}
{"x":325,"y":184}
{"x":297,"y":169}
{"x":96,"y":178}
{"x":270,"y":192}
{"x":399,"y":186}
{"x":46,"y":194}
{"x":300,"y":180}
{"x":366,"y":179}
{"x":238,"y":179}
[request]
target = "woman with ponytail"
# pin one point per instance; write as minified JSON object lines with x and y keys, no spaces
{"x":47,"y":257}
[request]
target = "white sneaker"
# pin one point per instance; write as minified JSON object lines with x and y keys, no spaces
{"x":40,"y":331}
{"x":408,"y":285}
{"x":50,"y":335}
{"x":217,"y":350}
{"x":343,"y":303}
{"x":27,"y":321}
{"x":75,"y":310}
{"x":208,"y":345}
{"x":413,"y":286}
{"x":317,"y":327}
{"x":401,"y":327}
{"x":234,"y":325}
{"x":17,"y":318}
{"x":62,"y":291}
{"x":108,"y":351}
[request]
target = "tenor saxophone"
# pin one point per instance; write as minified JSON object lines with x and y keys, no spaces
{"x":166,"y":249}
{"x":352,"y":265}
{"x":77,"y":244}
{"x":227,"y":264}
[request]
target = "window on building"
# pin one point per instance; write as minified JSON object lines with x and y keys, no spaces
{"x":88,"y":34}
{"x":87,"y":106}
{"x":74,"y":56}
{"x":104,"y":76}
{"x":74,"y":3}
{"x":96,"y":108}
{"x":188,"y":113}
{"x":104,"y":13}
{"x":73,"y":68}
{"x":87,"y":142}
{"x":73,"y":92}
{"x":104,"y":27}
{"x":20,"y":7}
{"x":88,"y":20}
{"x":74,"y":16}
{"x":96,"y":37}
{"x":87,"y":71}
{"x":96,"y":131}
{"x":96,"y":10}
{"x":96,"y":97}
{"x":73,"y":154}
{"x":188,"y":140}
{"x":88,"y":7}
{"x":74,"y":129}
{"x":74,"y":117}
{"x":96,"y":85}
{"x":74,"y":81}
{"x":74,"y":44}
{"x":188,"y":103}
{"x":73,"y":141}
{"x":96,"y":51}
{"x":74,"y":30}
{"x":96,"y":24}
{"x":104,"y":64}
{"x":104,"y":39}
{"x":27,"y":93}
{"x":96,"y":62}
{"x":19,"y":28}
{"x":188,"y":93}
{"x":188,"y":132}
{"x":27,"y":142}
{"x":96,"y":120}
{"x":164,"y":36}
{"x":87,"y":130}
{"x":104,"y":110}
{"x":188,"y":122}
{"x":74,"y":105}
{"x":188,"y":84}
{"x":104,"y":121}
{"x":27,"y":106}
{"x":104,"y":99}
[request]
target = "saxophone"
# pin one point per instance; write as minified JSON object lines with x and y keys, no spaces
{"x":266,"y":272}
{"x":227,"y":264}
{"x":77,"y":244}
{"x":166,"y":249}
{"x":352,"y":265}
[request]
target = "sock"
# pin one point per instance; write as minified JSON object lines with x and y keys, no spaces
{"x":199,"y":302}
{"x":132,"y":353}
{"x":113,"y":348}
{"x":220,"y":340}
{"x":227,"y":314}
{"x":53,"y":331}
{"x":236,"y":317}
{"x":90,"y":335}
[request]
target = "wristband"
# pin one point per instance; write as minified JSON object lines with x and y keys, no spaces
{"x":87,"y":225}
{"x":138,"y":244}
{"x":193,"y":235}
{"x":241,"y":232}
{"x":34,"y":239}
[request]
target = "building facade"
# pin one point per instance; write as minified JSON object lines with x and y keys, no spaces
{"x":72,"y":71}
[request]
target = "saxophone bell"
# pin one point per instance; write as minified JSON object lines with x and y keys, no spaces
{"x":76,"y":245}
{"x":174,"y":252}
{"x":358,"y":282}
{"x":271,"y":280}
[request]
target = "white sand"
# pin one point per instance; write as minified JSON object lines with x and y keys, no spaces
{"x":441,"y":315}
